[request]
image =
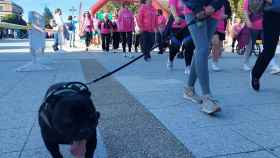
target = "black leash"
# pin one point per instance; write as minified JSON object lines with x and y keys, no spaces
{"x":171,"y":18}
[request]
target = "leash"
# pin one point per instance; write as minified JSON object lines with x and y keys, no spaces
{"x":194,"y":21}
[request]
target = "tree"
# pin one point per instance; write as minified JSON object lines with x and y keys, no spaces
{"x":237,"y":8}
{"x":47,"y":15}
{"x":14,"y":19}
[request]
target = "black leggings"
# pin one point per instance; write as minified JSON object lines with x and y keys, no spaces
{"x":116,"y":40}
{"x":88,"y":38}
{"x":105,"y":41}
{"x":147,"y":43}
{"x":271,"y":28}
{"x":137,"y":39}
{"x":126,"y":39}
{"x":188,"y":48}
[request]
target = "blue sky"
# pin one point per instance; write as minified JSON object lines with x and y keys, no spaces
{"x":65,"y":5}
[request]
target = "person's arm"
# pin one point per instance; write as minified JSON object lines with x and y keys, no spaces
{"x":174,"y":14}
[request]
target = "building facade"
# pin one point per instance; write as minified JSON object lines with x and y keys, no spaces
{"x":9,"y":7}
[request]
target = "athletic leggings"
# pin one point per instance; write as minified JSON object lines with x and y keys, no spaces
{"x":147,"y":43}
{"x":126,"y":39}
{"x":188,"y":47}
{"x":105,"y":41}
{"x":116,"y":40}
{"x":271,"y":27}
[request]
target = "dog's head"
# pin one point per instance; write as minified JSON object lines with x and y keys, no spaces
{"x":72,"y":112}
{"x":75,"y":117}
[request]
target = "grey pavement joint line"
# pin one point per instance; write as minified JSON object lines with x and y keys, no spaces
{"x":262,"y":147}
{"x":137,"y":133}
{"x":27,"y":138}
{"x":232,"y":154}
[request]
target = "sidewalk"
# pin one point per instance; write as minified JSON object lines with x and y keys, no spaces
{"x":143,"y":111}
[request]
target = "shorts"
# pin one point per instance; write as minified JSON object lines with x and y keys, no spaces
{"x":222,"y":36}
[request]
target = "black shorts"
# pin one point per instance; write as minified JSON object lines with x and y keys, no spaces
{"x":222,"y":36}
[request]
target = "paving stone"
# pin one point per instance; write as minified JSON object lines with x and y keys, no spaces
{"x":12,"y":139}
{"x":207,"y":142}
{"x":9,"y":155}
{"x":264,"y":133}
{"x":258,"y":154}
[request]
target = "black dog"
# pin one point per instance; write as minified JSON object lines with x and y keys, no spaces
{"x":68,"y":116}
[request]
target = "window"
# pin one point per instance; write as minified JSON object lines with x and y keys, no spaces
{"x":1,"y":8}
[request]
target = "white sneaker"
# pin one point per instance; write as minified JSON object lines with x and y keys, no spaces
{"x":275,"y":70}
{"x":125,"y":55}
{"x":187,"y":70}
{"x":215,"y":67}
{"x":210,"y":105}
{"x":189,"y":94}
{"x":169,"y":65}
{"x":130,"y":55}
{"x":246,"y":67}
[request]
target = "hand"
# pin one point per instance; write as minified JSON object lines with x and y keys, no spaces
{"x":209,"y":10}
{"x":249,"y":23}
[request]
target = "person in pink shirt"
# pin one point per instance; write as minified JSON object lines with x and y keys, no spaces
{"x":87,"y":26}
{"x":253,"y":12}
{"x":105,"y":27}
{"x":161,"y":27}
{"x":116,"y":34}
{"x":179,"y":33}
{"x":217,"y":41}
{"x":147,"y":22}
{"x":126,"y":27}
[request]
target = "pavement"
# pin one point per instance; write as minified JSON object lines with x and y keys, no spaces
{"x":143,"y":113}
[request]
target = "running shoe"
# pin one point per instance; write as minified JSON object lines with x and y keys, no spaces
{"x":189,"y":94}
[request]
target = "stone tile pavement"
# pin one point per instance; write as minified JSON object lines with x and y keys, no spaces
{"x":248,"y":126}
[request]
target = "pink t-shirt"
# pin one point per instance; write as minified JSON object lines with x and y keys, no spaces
{"x":257,"y":25}
{"x":147,"y":18}
{"x":161,"y":22}
{"x":221,"y":21}
{"x":126,"y":20}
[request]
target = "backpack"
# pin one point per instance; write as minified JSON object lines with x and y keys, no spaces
{"x":71,"y":26}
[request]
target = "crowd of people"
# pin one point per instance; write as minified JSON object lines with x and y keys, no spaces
{"x":195,"y":30}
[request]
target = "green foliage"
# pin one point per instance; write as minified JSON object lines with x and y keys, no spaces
{"x":48,"y":15}
{"x":237,"y":8}
{"x":14,"y":19}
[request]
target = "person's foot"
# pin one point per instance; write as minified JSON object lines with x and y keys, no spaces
{"x":187,"y":70}
{"x":275,"y":70}
{"x":246,"y":67}
{"x":255,"y":83}
{"x":169,"y":64}
{"x":131,"y":55}
{"x":146,"y":59}
{"x":86,"y":49}
{"x":124,"y":54}
{"x":160,"y":52}
{"x":189,"y":94}
{"x":215,"y":67}
{"x":210,"y":105}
